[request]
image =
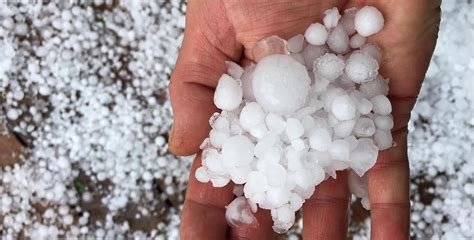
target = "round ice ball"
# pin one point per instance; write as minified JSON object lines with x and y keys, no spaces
{"x":252,"y":115}
{"x":343,"y":108}
{"x":368,"y":21}
{"x":316,"y":34}
{"x":229,"y":93}
{"x":329,"y":66}
{"x":361,"y":68}
{"x":381,"y":105}
{"x":237,"y":151}
{"x":280,"y":84}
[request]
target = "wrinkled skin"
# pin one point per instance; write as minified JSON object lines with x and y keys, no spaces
{"x":226,"y":30}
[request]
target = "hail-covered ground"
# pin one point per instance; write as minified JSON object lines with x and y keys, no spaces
{"x":85,"y":89}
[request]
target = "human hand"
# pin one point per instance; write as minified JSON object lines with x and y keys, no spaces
{"x":218,"y":31}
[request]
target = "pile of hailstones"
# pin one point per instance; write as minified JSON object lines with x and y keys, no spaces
{"x":309,"y":107}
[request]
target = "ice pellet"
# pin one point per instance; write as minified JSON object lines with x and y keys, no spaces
{"x":269,"y":46}
{"x":343,"y":108}
{"x":294,"y":128}
{"x":383,"y":122}
{"x":383,"y":139}
{"x":357,"y":41}
{"x":331,"y":17}
{"x":228,"y":95}
{"x":338,"y":40}
{"x":368,"y":21}
{"x":329,"y":66}
{"x":316,"y":34}
{"x":339,"y":150}
{"x":296,"y":43}
{"x":320,"y":140}
{"x":361,"y":68}
{"x":251,"y":116}
{"x":381,"y":105}
{"x":238,"y":151}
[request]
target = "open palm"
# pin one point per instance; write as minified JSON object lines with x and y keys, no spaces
{"x":226,"y":30}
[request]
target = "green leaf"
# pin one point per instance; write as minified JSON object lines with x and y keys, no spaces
{"x":80,"y":186}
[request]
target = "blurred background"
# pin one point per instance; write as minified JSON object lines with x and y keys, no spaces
{"x":85,"y":114}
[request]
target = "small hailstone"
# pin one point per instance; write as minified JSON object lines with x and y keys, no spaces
{"x":343,"y":108}
{"x":298,"y":57}
{"x":259,"y":131}
{"x":378,"y":86}
{"x":277,"y":197}
{"x":358,"y":185}
{"x":338,"y":40}
{"x":13,"y":114}
{"x":383,"y":139}
{"x":280,"y":84}
{"x":298,"y":144}
{"x":339,"y":150}
{"x":238,"y":190}
{"x":361,"y":68}
{"x":329,"y":66}
{"x":238,"y":212}
{"x":294,"y":128}
{"x":364,"y":156}
{"x":68,"y":219}
{"x":296,"y":43}
{"x":331,"y":17}
{"x":311,"y":52}
{"x":296,"y":202}
{"x":357,"y":41}
{"x":320,"y":139}
{"x":228,"y":93}
{"x":383,"y":122}
{"x":275,"y":123}
{"x":381,"y":105}
{"x":344,"y":129}
{"x":276,"y":174}
{"x":237,"y":151}
{"x":252,"y":114}
{"x":87,"y":197}
{"x":201,"y":175}
{"x":373,"y":51}
{"x":347,"y":20}
{"x":368,"y":21}
{"x":247,"y":85}
{"x":256,"y":183}
{"x":364,"y":106}
{"x":329,"y":96}
{"x":316,"y":34}
{"x":21,"y":29}
{"x":272,"y":45}
{"x":238,"y":175}
{"x":234,"y":69}
{"x":217,"y":138}
{"x":320,"y":85}
{"x":364,"y":127}
{"x":283,"y":218}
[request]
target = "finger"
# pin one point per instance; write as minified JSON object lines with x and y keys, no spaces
{"x":256,"y":19}
{"x":209,"y":41}
{"x":389,"y":191}
{"x":261,"y":230}
{"x":325,"y":214}
{"x":407,"y":41}
{"x":203,"y":215}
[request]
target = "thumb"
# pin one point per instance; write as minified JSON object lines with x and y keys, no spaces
{"x":209,"y":41}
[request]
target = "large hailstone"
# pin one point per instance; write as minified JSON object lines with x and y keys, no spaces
{"x":280,"y":84}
